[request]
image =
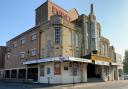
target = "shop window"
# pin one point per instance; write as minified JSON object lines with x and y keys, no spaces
{"x":57,"y":68}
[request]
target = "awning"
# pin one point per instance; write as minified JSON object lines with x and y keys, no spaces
{"x":57,"y":59}
{"x":101,"y":63}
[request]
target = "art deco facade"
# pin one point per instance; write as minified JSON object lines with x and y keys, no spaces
{"x":63,"y":47}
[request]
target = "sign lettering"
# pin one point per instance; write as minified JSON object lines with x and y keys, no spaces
{"x":61,"y":13}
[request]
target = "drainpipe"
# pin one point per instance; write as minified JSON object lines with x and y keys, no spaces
{"x":73,"y":72}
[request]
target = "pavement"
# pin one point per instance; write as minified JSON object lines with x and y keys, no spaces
{"x":122,"y":84}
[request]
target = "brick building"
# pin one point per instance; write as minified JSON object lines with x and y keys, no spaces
{"x":63,"y":47}
{"x":19,"y":49}
{"x":2,"y":59}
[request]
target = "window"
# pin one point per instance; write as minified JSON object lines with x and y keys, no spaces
{"x":34,"y":36}
{"x":7,"y":73}
{"x":48,"y":48}
{"x":70,"y":38}
{"x":43,"y":53}
{"x":48,"y":70}
{"x":22,"y":54}
{"x":33,"y":52}
{"x":8,"y":55}
{"x":23,"y":41}
{"x":77,"y":40}
{"x":14,"y":45}
{"x":57,"y":68}
{"x":65,"y":68}
{"x":57,"y":35}
{"x":8,"y":45}
{"x":75,"y":69}
{"x":13,"y":73}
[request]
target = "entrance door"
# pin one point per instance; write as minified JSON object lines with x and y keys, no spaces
{"x":90,"y":70}
{"x":33,"y":74}
{"x":94,"y":73}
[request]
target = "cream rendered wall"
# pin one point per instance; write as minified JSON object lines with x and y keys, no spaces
{"x":112,"y":73}
{"x":48,"y":33}
{"x":81,"y":76}
{"x":84,"y":76}
{"x":54,"y":79}
{"x":66,"y":75}
{"x":105,"y":73}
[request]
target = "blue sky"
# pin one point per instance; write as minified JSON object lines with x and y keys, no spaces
{"x":17,"y":16}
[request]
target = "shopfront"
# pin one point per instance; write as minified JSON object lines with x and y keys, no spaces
{"x":62,"y":70}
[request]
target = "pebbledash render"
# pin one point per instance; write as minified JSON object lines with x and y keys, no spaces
{"x":62,"y":47}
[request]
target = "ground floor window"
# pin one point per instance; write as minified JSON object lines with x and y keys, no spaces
{"x":75,"y":69}
{"x":57,"y":68}
{"x":42,"y":70}
{"x":7,"y":74}
{"x":48,"y":70}
{"x":13,"y":73}
{"x":22,"y":74}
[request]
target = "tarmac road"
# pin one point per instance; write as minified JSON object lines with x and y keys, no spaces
{"x":122,"y":84}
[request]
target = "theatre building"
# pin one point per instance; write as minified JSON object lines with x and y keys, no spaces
{"x":63,"y":47}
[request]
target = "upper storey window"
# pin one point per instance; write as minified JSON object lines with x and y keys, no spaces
{"x":57,"y":35}
{"x":14,"y":45}
{"x":33,"y":36}
{"x":8,"y":55}
{"x":23,"y":41}
{"x":70,"y":38}
{"x":33,"y":52}
{"x":77,"y":40}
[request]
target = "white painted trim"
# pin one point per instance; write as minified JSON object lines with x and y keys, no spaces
{"x":14,"y":68}
{"x":58,"y":59}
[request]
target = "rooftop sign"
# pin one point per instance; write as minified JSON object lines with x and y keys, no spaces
{"x":61,"y":13}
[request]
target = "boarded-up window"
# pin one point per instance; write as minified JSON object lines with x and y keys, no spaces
{"x":42,"y":70}
{"x":57,"y":68}
{"x":75,"y":69}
